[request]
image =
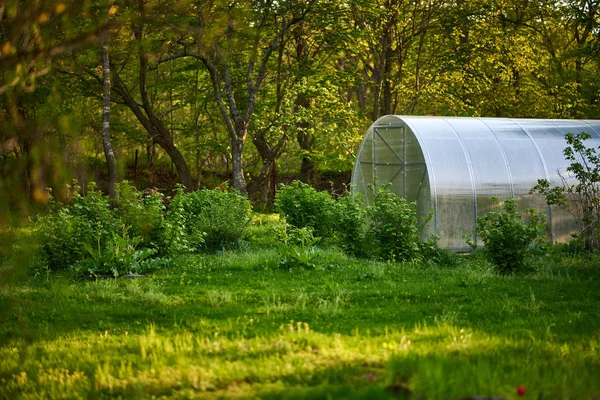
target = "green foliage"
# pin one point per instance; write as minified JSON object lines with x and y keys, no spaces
{"x":143,"y":213}
{"x":95,"y":238}
{"x":350,"y":221}
{"x":215,"y":219}
{"x":393,"y":227}
{"x":120,"y":255}
{"x":176,"y":237}
{"x":582,"y":198}
{"x":68,"y":229}
{"x":387,"y":230}
{"x":297,"y":248}
{"x":304,"y":207}
{"x":431,"y":252}
{"x":506,"y":237}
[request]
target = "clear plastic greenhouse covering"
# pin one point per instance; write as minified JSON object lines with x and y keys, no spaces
{"x":453,"y":167}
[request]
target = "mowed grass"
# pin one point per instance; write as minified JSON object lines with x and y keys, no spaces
{"x":236,"y":326}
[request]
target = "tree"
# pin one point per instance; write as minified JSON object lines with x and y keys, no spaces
{"x":31,"y":36}
{"x":145,"y":112}
{"x":111,"y":160}
{"x":238,"y":76}
{"x":393,"y":36}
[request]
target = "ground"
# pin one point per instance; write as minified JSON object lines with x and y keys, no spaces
{"x":236,"y":325}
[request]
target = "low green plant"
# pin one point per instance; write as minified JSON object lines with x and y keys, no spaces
{"x":507,"y":238}
{"x":119,"y":256}
{"x":178,"y":236}
{"x":302,"y":206}
{"x":297,"y":249}
{"x":68,"y":228}
{"x":431,"y":252}
{"x":214,"y":219}
{"x":393,"y":227}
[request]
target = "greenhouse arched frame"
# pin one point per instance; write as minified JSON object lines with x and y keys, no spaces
{"x":452,"y":167}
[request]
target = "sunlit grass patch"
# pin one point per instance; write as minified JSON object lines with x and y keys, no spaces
{"x":441,"y":361}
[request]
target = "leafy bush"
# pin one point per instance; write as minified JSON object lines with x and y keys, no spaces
{"x":393,"y":227}
{"x":304,"y":207}
{"x":68,"y":229}
{"x":506,"y":237}
{"x":213,"y":218}
{"x":386,"y":230}
{"x":297,"y":249}
{"x":94,"y":238}
{"x":431,"y":252}
{"x":144,"y":215}
{"x":176,"y":239}
{"x":350,"y":223}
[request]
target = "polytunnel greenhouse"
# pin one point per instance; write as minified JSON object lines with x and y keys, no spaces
{"x":453,"y":167}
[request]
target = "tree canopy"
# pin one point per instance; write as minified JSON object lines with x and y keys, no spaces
{"x":258,"y":90}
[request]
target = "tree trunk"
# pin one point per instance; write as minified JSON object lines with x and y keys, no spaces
{"x":145,"y":112}
{"x":268,"y":174}
{"x":156,"y":129}
{"x":111,"y":160}
{"x":237,"y":148}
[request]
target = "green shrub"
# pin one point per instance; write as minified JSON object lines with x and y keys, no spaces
{"x":507,"y":238}
{"x":297,"y":248}
{"x":69,"y":228}
{"x":144,"y":214}
{"x":214,"y":219}
{"x":350,"y":222}
{"x":92,"y":237}
{"x":304,"y":207}
{"x":178,"y":237}
{"x":431,"y":252}
{"x":393,"y":227}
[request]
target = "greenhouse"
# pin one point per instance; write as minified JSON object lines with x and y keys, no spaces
{"x":453,"y":167}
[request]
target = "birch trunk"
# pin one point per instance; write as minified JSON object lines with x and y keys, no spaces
{"x":111,"y":160}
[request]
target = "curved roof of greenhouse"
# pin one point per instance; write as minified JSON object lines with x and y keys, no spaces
{"x":455,"y":165}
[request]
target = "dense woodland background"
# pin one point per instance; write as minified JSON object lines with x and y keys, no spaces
{"x":258,"y":92}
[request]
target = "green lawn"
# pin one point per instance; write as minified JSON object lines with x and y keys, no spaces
{"x":237,"y":326}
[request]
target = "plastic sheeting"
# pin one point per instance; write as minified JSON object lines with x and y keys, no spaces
{"x":453,"y":167}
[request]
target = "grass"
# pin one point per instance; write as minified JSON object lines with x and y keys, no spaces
{"x":237,"y":326}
